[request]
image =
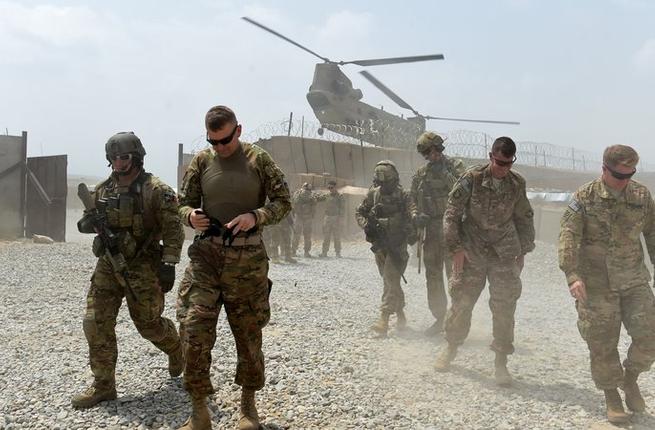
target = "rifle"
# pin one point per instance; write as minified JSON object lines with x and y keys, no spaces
{"x":377,"y":236}
{"x":97,"y":213}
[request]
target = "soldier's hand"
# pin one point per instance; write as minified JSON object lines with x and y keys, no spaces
{"x":578,"y":291}
{"x":166,"y":276}
{"x":243,"y":222}
{"x":459,"y":258}
{"x":199,"y":220}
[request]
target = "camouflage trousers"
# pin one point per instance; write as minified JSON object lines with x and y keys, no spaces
{"x":435,"y":258}
{"x":599,"y":323}
{"x":332,"y":231}
{"x":145,"y":302}
{"x":504,"y":290}
{"x":304,"y":228}
{"x":391,"y":268}
{"x":280,"y":240}
{"x":235,"y":277}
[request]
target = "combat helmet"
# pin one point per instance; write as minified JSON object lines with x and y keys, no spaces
{"x":125,"y":142}
{"x":427,"y":140}
{"x":385,"y":171}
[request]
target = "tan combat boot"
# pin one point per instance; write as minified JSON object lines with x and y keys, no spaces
{"x":176,"y":362}
{"x":503,"y":378}
{"x":633,"y":398}
{"x":94,"y":395}
{"x":249,"y":419}
{"x":199,"y":419}
{"x":445,"y":357}
{"x":381,"y":325}
{"x":401,"y":320}
{"x":615,"y":412}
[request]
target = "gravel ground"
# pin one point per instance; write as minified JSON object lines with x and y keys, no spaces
{"x":324,"y":368}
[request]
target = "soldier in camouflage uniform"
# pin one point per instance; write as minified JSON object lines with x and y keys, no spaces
{"x":142,"y":211}
{"x":280,"y":244}
{"x":304,"y":208}
{"x":489,"y":227}
{"x":430,"y":187}
{"x":334,"y":212}
{"x":601,"y":254}
{"x":387,"y":215}
{"x":225,"y":189}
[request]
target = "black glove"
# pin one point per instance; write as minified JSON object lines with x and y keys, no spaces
{"x":166,"y":276}
{"x":421,"y":220}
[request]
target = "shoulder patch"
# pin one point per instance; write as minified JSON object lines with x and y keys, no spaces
{"x":169,"y":196}
{"x":575,"y":206}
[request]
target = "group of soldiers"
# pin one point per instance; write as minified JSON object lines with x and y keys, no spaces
{"x":478,"y":225}
{"x":475,"y":224}
{"x":299,"y":222}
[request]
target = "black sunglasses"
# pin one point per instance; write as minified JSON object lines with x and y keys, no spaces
{"x":502,"y":163}
{"x":223,"y":141}
{"x":619,"y":175}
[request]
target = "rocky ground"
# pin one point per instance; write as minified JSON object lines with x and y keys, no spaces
{"x":324,"y":368}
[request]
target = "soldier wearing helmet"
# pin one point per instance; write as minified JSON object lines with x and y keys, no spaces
{"x":430,"y":188}
{"x":141,"y":211}
{"x":304,"y":208}
{"x":386,"y":215}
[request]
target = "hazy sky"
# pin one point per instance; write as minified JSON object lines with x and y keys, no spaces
{"x":575,"y":73}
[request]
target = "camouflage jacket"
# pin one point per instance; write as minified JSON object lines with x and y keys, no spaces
{"x":334,"y":204}
{"x":432,"y":183}
{"x":273,"y":185}
{"x":479,"y":217}
{"x":600,"y":235}
{"x":304,"y":203}
{"x":393,"y":212}
{"x":144,"y":211}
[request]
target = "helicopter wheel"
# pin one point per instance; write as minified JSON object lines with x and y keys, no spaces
{"x":320,"y":131}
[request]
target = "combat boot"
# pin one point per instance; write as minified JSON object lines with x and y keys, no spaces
{"x":249,"y":419}
{"x":338,"y":254}
{"x":445,"y":357}
{"x":503,"y":378}
{"x":290,"y":259}
{"x":322,"y":255}
{"x":381,"y":325}
{"x":435,"y":329}
{"x":633,"y":398}
{"x":307,"y":254}
{"x":615,"y":412}
{"x":401,"y":320}
{"x":199,"y":419}
{"x":94,"y":395}
{"x":176,"y":362}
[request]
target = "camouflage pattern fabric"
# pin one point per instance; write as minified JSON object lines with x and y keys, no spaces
{"x":304,"y":207}
{"x":429,"y":191}
{"x":600,"y":245}
{"x":332,"y":232}
{"x":153,"y":214}
{"x":234,"y":277}
{"x":304,"y":228}
{"x":394,"y":213}
{"x":494,"y":226}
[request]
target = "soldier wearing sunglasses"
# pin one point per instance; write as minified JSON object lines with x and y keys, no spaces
{"x":601,"y":254}
{"x":488,"y":226}
{"x":226,"y":187}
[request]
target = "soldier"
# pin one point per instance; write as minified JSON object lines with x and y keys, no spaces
{"x":488,"y":226}
{"x":600,"y":253}
{"x":281,"y":240}
{"x":140,"y":210}
{"x":304,"y":208}
{"x":386,"y":215}
{"x":224,"y":196}
{"x":430,"y":187}
{"x":334,"y":211}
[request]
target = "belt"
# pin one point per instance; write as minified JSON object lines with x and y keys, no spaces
{"x":254,"y":239}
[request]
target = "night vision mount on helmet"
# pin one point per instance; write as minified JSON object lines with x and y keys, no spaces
{"x":338,"y":106}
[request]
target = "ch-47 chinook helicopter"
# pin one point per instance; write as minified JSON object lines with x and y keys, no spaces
{"x":338,"y":106}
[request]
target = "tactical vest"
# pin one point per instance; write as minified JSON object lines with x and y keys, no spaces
{"x":390,"y":211}
{"x":436,"y":181}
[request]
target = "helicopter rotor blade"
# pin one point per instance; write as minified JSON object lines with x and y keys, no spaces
{"x":263,"y":27}
{"x":396,"y":60}
{"x":393,"y":96}
{"x":472,"y":120}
